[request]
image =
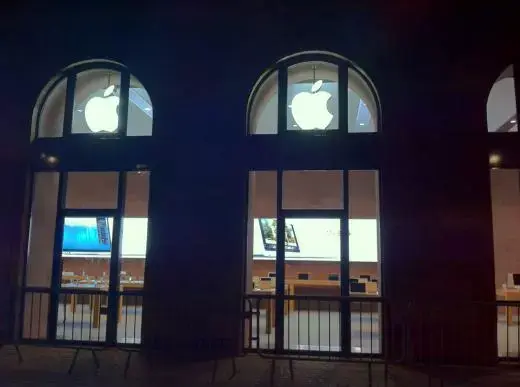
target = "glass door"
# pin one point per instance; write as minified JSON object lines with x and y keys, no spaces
{"x":85,"y":278}
{"x":312,"y":264}
{"x":312,"y":268}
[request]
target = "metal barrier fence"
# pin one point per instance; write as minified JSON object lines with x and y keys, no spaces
{"x":312,"y":325}
{"x":80,"y":316}
{"x":508,"y":330}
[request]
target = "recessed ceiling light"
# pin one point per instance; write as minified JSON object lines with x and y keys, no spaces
{"x":80,"y":110}
{"x":147,"y":109}
{"x":513,"y":121}
{"x":362,"y":124}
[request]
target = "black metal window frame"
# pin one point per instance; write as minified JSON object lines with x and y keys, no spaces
{"x":282,"y":216}
{"x":118,"y":156}
{"x":285,"y":136}
{"x":114,"y":292}
{"x":343,"y":66}
{"x":70,"y":75}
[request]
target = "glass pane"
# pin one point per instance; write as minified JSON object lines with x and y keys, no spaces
{"x":264,"y":109}
{"x":501,"y":104}
{"x":91,"y":190}
{"x":312,"y":96}
{"x":261,"y":262}
{"x":505,"y":202}
{"x":133,"y":256}
{"x":312,"y":190}
{"x":42,"y":229}
{"x":140,"y":110}
{"x":312,"y":268}
{"x":86,"y":251}
{"x":364,"y":262}
{"x":362,"y":108}
{"x":96,"y":102}
{"x":50,"y":123}
{"x":40,"y":253}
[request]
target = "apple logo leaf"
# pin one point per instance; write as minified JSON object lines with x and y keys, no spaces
{"x":109,"y":90}
{"x":317,"y":85}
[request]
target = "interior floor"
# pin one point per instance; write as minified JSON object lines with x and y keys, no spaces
{"x":79,"y":325}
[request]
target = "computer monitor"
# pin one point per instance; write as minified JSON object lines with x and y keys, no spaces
{"x":266,"y":279}
{"x":271,"y":275}
{"x":353,"y":280}
{"x":513,"y":280}
{"x":333,"y":277}
{"x":303,"y":276}
{"x":358,"y":287}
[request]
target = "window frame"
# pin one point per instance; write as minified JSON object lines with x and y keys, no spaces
{"x":70,"y":75}
{"x":281,"y":71}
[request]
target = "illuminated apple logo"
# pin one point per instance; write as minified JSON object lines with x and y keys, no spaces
{"x":101,"y":112}
{"x":309,"y":110}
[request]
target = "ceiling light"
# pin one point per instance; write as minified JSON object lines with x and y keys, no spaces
{"x":513,"y":121}
{"x":362,"y":124}
{"x":148,"y":109}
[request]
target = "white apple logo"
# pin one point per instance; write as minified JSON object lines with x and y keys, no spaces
{"x":101,"y":112}
{"x":309,"y":110}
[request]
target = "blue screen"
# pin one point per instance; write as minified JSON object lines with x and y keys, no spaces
{"x":86,"y":234}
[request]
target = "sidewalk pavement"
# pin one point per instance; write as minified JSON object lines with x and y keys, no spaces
{"x":45,"y":367}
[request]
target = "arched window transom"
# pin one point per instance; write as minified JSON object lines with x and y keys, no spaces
{"x":93,"y":98}
{"x":313,"y":91}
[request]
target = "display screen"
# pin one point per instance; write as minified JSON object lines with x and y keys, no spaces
{"x":87,"y":237}
{"x":268,"y":230}
{"x":87,"y":234}
{"x":317,"y":239}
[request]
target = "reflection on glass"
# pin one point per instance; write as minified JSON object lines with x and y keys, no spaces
{"x":50,"y":122}
{"x":264,"y":108}
{"x":140,"y":110}
{"x":362,"y":110}
{"x":501,"y":104}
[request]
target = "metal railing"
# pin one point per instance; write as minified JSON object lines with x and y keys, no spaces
{"x":313,"y":325}
{"x":80,"y":316}
{"x":508,"y":330}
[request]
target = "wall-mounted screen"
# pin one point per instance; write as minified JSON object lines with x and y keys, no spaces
{"x":92,"y":237}
{"x":86,"y":235}
{"x":268,"y":230}
{"x":317,"y":239}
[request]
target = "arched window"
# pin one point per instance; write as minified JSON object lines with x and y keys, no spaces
{"x":501,"y":104}
{"x":96,"y":98}
{"x":313,"y":91}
